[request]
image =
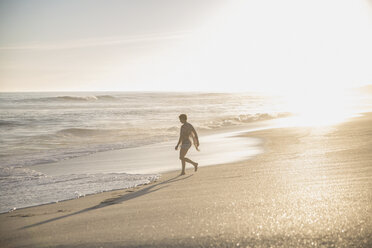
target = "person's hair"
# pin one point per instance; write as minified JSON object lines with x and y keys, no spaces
{"x":183,"y":117}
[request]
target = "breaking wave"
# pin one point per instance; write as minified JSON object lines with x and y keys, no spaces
{"x":72,"y":98}
{"x":84,"y":132}
{"x":244,"y":118}
{"x":24,"y":187}
{"x":4,"y":123}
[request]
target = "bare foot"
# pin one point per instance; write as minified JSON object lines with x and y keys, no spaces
{"x":182,"y":173}
{"x":196,"y":167}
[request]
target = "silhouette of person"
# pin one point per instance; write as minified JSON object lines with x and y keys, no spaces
{"x":187,"y":131}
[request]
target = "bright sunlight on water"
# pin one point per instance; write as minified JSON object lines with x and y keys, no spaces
{"x":320,"y":107}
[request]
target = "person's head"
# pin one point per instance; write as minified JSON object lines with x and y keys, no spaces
{"x":183,"y":118}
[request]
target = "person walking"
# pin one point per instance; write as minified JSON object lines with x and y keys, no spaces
{"x":187,"y":131}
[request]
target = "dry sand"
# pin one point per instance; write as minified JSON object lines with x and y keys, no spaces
{"x":311,"y":188}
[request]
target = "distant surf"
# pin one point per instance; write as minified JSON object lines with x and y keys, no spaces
{"x":70,"y":98}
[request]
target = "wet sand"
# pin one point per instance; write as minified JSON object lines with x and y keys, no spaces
{"x":312,"y":187}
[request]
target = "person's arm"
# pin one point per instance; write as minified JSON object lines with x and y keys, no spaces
{"x":179,"y":140}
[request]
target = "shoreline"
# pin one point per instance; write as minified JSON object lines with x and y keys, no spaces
{"x":87,"y":195}
{"x":230,"y":131}
{"x":111,"y":163}
{"x":323,"y":171}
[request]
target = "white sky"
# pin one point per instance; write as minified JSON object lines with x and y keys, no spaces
{"x":190,"y":45}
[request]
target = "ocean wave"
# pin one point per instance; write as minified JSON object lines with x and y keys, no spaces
{"x":18,"y":172}
{"x":84,"y":132}
{"x":68,"y":143}
{"x":71,"y":98}
{"x":213,"y":124}
{"x":243,"y":118}
{"x":24,"y":187}
{"x":77,"y":142}
{"x":261,"y":116}
{"x":4,"y":123}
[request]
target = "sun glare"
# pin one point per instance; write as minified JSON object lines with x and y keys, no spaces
{"x":319,"y":107}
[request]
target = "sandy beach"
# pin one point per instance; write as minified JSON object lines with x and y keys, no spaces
{"x":104,"y":102}
{"x":312,"y":187}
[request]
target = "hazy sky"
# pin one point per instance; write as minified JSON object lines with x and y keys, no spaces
{"x":193,"y":45}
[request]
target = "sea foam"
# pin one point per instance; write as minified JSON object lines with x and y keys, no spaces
{"x":23,"y":187}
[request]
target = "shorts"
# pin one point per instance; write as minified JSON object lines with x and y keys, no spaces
{"x":186,"y":146}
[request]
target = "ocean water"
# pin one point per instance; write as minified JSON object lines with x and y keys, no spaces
{"x":47,"y":127}
{"x":42,"y":128}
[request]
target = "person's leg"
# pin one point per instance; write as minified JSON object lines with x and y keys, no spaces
{"x":189,"y":161}
{"x":183,"y":152}
{"x":192,"y":162}
{"x":183,"y":159}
